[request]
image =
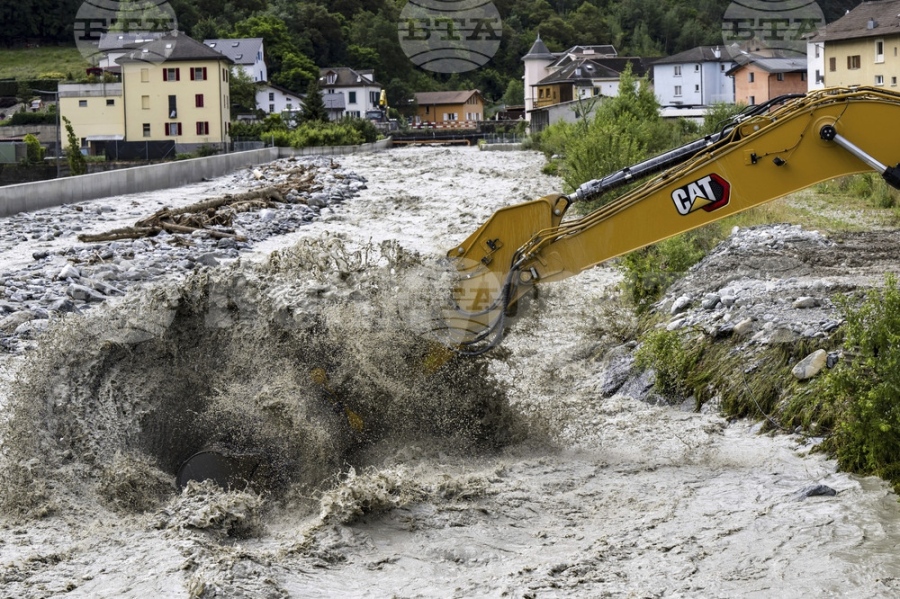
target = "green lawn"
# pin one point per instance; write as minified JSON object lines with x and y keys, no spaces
{"x":30,"y":63}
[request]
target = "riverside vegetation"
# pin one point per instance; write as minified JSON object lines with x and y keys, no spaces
{"x":852,"y":405}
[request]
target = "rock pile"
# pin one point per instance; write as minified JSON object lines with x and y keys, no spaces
{"x":761,"y":285}
{"x":74,"y":276}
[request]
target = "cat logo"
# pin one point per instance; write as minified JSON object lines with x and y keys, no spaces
{"x":709,"y":193}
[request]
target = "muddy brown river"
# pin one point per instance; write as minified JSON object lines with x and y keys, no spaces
{"x":510,"y":476}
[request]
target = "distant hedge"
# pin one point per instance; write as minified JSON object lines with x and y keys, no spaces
{"x":33,"y":118}
{"x":10,"y":87}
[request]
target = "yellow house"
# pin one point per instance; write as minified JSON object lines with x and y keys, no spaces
{"x":462,"y":107}
{"x":176,"y":88}
{"x":172,"y":89}
{"x":862,"y":47}
{"x":96,"y":112}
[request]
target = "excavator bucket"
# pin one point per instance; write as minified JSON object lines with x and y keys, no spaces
{"x":488,"y":282}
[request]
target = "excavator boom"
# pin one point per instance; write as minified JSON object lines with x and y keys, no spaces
{"x":762,"y":156}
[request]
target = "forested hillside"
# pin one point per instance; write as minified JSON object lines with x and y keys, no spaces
{"x":302,"y":35}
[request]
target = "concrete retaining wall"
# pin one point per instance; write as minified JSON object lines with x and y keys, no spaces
{"x":26,"y":197}
{"x":335,"y":150}
{"x":502,"y":147}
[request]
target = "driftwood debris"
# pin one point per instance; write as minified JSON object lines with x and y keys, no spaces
{"x":217,"y":212}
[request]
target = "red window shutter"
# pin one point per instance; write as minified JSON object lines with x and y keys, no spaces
{"x":192,"y":74}
{"x":204,"y":73}
{"x":179,"y":128}
{"x":177,"y":74}
{"x":165,"y":74}
{"x":198,"y":100}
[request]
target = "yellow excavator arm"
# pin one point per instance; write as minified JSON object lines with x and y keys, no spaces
{"x":784,"y":146}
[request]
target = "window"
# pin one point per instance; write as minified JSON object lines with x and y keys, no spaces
{"x":879,"y":50}
{"x":198,"y":74}
{"x":819,"y":78}
{"x":696,"y":68}
{"x":722,"y":67}
{"x":145,"y":102}
{"x":678,"y":70}
{"x":145,"y":75}
{"x":751,"y":100}
{"x":146,"y":129}
{"x":172,"y":74}
{"x":331,"y":78}
{"x":879,"y":79}
{"x":451,"y":116}
{"x":110,"y":102}
{"x":198,"y":100}
{"x":82,"y":103}
{"x":677,"y":90}
{"x":697,"y":87}
{"x":271,"y":108}
{"x":853,"y":62}
{"x":225,"y":75}
{"x":803,"y":76}
{"x":751,"y":76}
{"x":817,"y":50}
{"x":374,"y":98}
{"x":173,"y":129}
{"x":832,"y":64}
{"x":893,"y":81}
{"x":779,"y":76}
{"x":271,"y":96}
{"x":351,"y":97}
{"x":173,"y":108}
{"x":202,"y":128}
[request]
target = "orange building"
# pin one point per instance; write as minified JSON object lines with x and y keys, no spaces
{"x":760,"y":78}
{"x":446,"y":108}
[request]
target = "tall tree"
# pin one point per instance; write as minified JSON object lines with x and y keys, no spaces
{"x":314,"y":110}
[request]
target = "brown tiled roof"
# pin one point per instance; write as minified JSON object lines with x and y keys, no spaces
{"x":884,"y":16}
{"x":459,"y":97}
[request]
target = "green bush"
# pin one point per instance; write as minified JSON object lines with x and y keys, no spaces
{"x":364,"y":127}
{"x":648,"y":272}
{"x":718,"y":115}
{"x":668,"y":355}
{"x":34,"y":153}
{"x":345,"y":132}
{"x":279,"y":137}
{"x":865,"y":387}
{"x":867,"y":186}
{"x":325,"y":134}
{"x":76,"y":160}
{"x":33,"y":118}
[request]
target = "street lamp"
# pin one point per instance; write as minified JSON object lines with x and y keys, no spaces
{"x":58,"y":111}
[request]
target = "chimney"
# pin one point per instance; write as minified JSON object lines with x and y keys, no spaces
{"x":871,"y":24}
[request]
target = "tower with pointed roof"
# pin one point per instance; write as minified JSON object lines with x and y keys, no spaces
{"x":536,"y":62}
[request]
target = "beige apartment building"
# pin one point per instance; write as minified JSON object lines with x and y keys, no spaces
{"x":861,"y":48}
{"x":172,"y":89}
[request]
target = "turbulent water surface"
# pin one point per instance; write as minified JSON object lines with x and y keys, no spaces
{"x":511,"y":475}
